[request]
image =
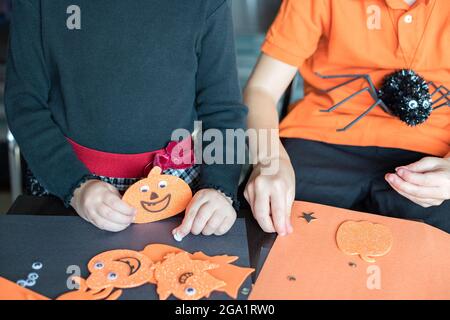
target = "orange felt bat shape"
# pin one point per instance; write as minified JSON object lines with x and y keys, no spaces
{"x":158,"y":196}
{"x":85,"y":293}
{"x":233,"y":276}
{"x":12,"y":291}
{"x":185,"y":278}
{"x":366,"y":239}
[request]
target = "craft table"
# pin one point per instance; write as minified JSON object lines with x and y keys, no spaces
{"x":51,"y":234}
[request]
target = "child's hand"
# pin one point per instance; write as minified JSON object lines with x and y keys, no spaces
{"x":426,"y":182}
{"x":271,"y":197}
{"x":210,"y":212}
{"x":100,"y":204}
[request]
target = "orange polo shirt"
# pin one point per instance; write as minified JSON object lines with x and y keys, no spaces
{"x":375,"y":37}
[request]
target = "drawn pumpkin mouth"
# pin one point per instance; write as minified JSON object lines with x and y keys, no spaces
{"x":156,"y":206}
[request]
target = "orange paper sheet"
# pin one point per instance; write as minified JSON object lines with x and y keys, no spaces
{"x":11,"y":291}
{"x":309,"y":265}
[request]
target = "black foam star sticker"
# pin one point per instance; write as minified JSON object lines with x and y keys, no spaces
{"x":308,"y":216}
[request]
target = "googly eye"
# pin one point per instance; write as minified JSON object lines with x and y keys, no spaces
{"x":30,"y":283}
{"x":145,"y":189}
{"x":99,"y":265}
{"x":190,"y":291}
{"x":162,"y":184}
{"x":33,"y":276}
{"x":22,"y":283}
{"x":112,"y":276}
{"x":37,"y":265}
{"x":413,"y":104}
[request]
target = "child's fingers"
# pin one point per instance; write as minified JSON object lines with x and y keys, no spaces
{"x":225,"y":226}
{"x":106,"y":225}
{"x":201,"y":219}
{"x":426,"y":203}
{"x":116,"y":203}
{"x":289,"y":227}
{"x":191,"y":211}
{"x":111,"y":215}
{"x":278,"y":207}
{"x":424,"y":165}
{"x":213,"y":224}
{"x":430,"y":179}
{"x":249,"y":194}
{"x":262,"y":211}
{"x":413,"y":190}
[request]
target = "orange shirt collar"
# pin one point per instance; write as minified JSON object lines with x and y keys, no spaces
{"x":401,"y":4}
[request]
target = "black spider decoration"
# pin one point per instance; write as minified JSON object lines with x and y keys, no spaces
{"x":403,"y":94}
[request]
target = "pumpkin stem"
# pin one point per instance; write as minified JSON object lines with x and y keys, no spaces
{"x":155,"y":171}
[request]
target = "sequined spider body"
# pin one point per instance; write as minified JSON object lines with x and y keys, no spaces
{"x":403,"y":94}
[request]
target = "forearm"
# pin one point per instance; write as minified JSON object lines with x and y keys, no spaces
{"x":263,"y":118}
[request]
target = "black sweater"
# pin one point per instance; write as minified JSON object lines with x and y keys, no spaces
{"x":119,"y":81}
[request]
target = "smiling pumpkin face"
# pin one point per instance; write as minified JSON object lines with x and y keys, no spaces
{"x":158,"y":196}
{"x":119,"y":269}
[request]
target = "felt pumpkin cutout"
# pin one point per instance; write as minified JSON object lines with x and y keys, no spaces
{"x":185,"y":278}
{"x":233,"y":276}
{"x":158,"y":196}
{"x":366,"y":239}
{"x":12,"y":291}
{"x":85,"y":293}
{"x":119,"y":269}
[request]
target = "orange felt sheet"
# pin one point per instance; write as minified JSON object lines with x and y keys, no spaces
{"x":309,"y":265}
{"x":11,"y":291}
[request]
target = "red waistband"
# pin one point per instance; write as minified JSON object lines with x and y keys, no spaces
{"x":177,"y":155}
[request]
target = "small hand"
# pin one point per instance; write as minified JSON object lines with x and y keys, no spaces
{"x":100,"y":204}
{"x":426,"y":182}
{"x":271,"y":197}
{"x":209,"y":212}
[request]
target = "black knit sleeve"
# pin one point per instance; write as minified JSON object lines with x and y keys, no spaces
{"x":219,"y":99}
{"x":46,"y":150}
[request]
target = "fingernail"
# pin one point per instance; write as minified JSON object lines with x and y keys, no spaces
{"x":177,"y":237}
{"x":401,"y":172}
{"x":390,"y":177}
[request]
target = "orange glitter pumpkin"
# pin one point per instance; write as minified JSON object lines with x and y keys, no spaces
{"x":119,"y":269}
{"x":366,"y":239}
{"x":185,"y":278}
{"x":158,"y":197}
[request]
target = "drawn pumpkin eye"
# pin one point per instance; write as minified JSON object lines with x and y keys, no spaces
{"x":190,"y":291}
{"x":162,"y":184}
{"x":145,"y":189}
{"x":99,"y":265}
{"x":112,"y":276}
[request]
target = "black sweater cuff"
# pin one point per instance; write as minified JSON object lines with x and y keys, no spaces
{"x":223,"y":178}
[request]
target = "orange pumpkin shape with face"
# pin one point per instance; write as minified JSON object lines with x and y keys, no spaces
{"x":158,"y":196}
{"x":366,"y":239}
{"x":119,"y":269}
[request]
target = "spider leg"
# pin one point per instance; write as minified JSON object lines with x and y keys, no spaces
{"x":353,"y":78}
{"x":345,"y":100}
{"x":442,"y":98}
{"x":445,"y":94}
{"x":445,"y":104}
{"x":351,"y":124}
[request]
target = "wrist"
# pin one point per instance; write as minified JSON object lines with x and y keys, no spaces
{"x":78,"y":193}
